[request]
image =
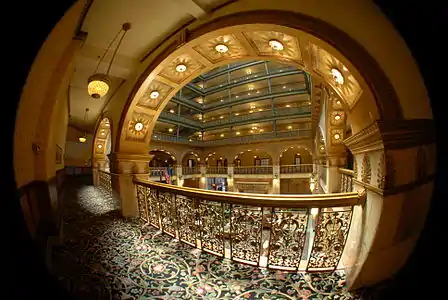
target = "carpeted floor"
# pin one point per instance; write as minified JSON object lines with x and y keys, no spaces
{"x":107,"y":257}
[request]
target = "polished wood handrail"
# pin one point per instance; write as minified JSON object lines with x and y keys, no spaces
{"x":261,"y":200}
{"x":346,"y":171}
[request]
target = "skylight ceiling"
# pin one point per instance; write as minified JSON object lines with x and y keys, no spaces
{"x":228,"y":100}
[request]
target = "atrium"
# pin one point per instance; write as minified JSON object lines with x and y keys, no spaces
{"x":224,"y":149}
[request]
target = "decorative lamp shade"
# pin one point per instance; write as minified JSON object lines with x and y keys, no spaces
{"x":98,"y":85}
{"x":82,"y":139}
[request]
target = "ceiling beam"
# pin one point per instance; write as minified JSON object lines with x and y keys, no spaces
{"x":191,"y":8}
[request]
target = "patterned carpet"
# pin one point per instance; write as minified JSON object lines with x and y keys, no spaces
{"x":107,"y":257}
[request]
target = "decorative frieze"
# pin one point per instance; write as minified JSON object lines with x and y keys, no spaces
{"x":366,"y":173}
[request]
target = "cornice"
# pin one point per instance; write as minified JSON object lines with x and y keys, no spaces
{"x":366,"y":140}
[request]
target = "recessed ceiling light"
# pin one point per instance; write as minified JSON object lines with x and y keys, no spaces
{"x":221,"y":135}
{"x":170,"y":129}
{"x":103,"y":133}
{"x":237,"y":114}
{"x":289,"y":127}
{"x":338,"y":102}
{"x":287,"y":105}
{"x":172,"y":111}
{"x":322,"y":148}
{"x":261,"y":130}
{"x":221,"y":48}
{"x":154,"y":95}
{"x":221,"y":117}
{"x":337,"y":136}
{"x":181,"y":68}
{"x":138,"y":126}
{"x":100,"y":146}
{"x":260,"y":109}
{"x":238,"y":133}
{"x":248,"y":71}
{"x":337,"y":76}
{"x":337,"y":117}
{"x":251,"y":131}
{"x":276,"y":45}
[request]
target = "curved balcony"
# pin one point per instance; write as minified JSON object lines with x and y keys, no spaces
{"x":216,"y":170}
{"x":296,"y":169}
{"x":286,"y":232}
{"x":252,"y":170}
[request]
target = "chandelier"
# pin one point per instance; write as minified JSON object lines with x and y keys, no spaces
{"x":83,"y":139}
{"x":98,"y":84}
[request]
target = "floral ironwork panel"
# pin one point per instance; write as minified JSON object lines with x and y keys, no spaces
{"x":287,"y":237}
{"x":211,"y":226}
{"x":186,"y":218}
{"x":153,"y":207}
{"x":245,"y":232}
{"x":142,"y":193}
{"x":331,"y":233}
{"x":168,"y":212}
{"x":106,"y":183}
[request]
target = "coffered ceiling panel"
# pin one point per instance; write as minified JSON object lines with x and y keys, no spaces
{"x":174,"y":72}
{"x":138,"y":127}
{"x":260,"y":41}
{"x":336,"y":74}
{"x":214,"y":54}
{"x":155,"y":94}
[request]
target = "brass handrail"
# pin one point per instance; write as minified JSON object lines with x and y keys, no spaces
{"x":262,"y":200}
{"x":346,"y":171}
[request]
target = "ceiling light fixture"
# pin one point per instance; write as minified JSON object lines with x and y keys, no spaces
{"x":98,"y":84}
{"x":337,"y":136}
{"x":276,"y":45}
{"x":138,"y":126}
{"x":287,"y":105}
{"x":289,"y":127}
{"x":83,"y":139}
{"x":337,"y":117}
{"x":172,"y":111}
{"x":221,"y":48}
{"x":337,"y":76}
{"x":221,"y":135}
{"x":100,"y":146}
{"x":181,"y":68}
{"x":154,"y":95}
{"x":238,"y":133}
{"x":170,"y":129}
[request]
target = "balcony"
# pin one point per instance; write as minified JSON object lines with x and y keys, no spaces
{"x":296,"y":169}
{"x":254,"y":170}
{"x":250,"y":228}
{"x":216,"y":170}
{"x":191,"y":170}
{"x":305,"y":133}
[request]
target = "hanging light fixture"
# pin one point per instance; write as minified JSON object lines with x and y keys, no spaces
{"x":99,"y":83}
{"x":83,"y":139}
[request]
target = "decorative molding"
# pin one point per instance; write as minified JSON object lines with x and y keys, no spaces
{"x":162,"y":88}
{"x":400,"y":134}
{"x":366,"y":140}
{"x":381,"y":173}
{"x":366,"y":171}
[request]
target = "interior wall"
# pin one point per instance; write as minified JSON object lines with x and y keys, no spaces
{"x":248,"y":159}
{"x":191,"y":182}
{"x":295,"y":186}
{"x":77,"y":154}
{"x":288,"y":157}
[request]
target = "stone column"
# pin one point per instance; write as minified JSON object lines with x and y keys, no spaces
{"x":276,"y":178}
{"x":230,"y":178}
{"x":394,"y":161}
{"x":179,"y":175}
{"x":124,"y":167}
{"x":98,"y":164}
{"x":335,"y":161}
{"x":203,"y":179}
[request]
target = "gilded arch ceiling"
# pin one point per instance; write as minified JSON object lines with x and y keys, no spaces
{"x":102,"y":136}
{"x":243,"y":42}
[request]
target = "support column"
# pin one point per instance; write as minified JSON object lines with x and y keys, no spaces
{"x":276,"y":179}
{"x":203,"y":179}
{"x":124,"y":167}
{"x":335,"y":162}
{"x":98,"y":164}
{"x":230,"y":178}
{"x":179,"y":175}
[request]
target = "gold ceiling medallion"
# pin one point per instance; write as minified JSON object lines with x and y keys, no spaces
{"x":154,"y":95}
{"x":138,"y":126}
{"x":276,"y":45}
{"x":221,"y":48}
{"x":181,"y":68}
{"x":337,"y":76}
{"x":98,"y":84}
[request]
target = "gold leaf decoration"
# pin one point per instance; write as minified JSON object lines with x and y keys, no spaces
{"x":170,"y":72}
{"x":366,"y":172}
{"x":337,"y":132}
{"x":259,"y":40}
{"x":163,"y":90}
{"x":132,"y":132}
{"x":381,"y":173}
{"x":355,"y":168}
{"x":235,"y":49}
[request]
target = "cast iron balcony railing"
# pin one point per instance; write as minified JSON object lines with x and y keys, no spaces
{"x":296,"y":169}
{"x":287,"y":232}
{"x":346,"y":180}
{"x":105,"y":182}
{"x":303,"y":133}
{"x":216,"y":170}
{"x":179,"y":120}
{"x":160,"y":171}
{"x":249,"y":170}
{"x":191,"y":170}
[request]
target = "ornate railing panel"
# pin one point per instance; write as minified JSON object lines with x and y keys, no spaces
{"x":191,"y":170}
{"x":329,"y":241}
{"x":287,"y":237}
{"x":245,"y":233}
{"x":187,"y":219}
{"x":253,"y":170}
{"x":168,"y":218}
{"x":216,"y":170}
{"x":296,"y":169}
{"x":274,"y":231}
{"x":105,"y":182}
{"x":211,"y":226}
{"x":346,"y":180}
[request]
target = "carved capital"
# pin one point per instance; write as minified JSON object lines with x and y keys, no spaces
{"x":126,"y":163}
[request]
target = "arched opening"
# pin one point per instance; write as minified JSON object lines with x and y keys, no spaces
{"x":214,"y":159}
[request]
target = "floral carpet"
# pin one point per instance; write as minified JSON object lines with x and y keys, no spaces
{"x":108,"y":257}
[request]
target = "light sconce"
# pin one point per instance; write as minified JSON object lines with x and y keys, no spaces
{"x":337,"y":76}
{"x":181,"y":68}
{"x":276,"y":45}
{"x":138,"y":126}
{"x":221,"y":48}
{"x":154,"y":95}
{"x":98,"y":84}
